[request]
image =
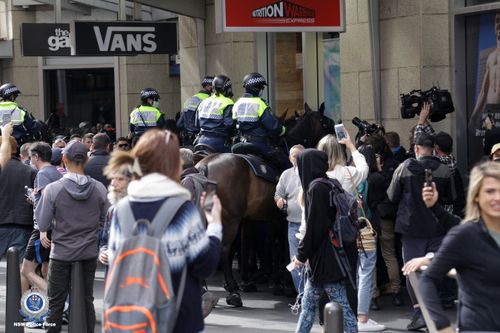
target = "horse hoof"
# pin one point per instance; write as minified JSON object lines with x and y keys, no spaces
{"x":234,"y":299}
{"x":249,"y":288}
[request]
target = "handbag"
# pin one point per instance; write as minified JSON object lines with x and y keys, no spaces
{"x":367,"y":235}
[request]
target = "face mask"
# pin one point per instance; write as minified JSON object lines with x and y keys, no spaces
{"x":261,"y":92}
{"x":156,"y":104}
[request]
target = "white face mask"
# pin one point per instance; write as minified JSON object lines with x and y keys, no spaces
{"x":156,"y":104}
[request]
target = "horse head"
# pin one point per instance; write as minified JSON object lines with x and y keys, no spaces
{"x":309,"y":128}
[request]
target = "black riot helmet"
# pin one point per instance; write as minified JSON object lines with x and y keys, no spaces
{"x":148,"y":93}
{"x":207,"y":80}
{"x":254,"y":82}
{"x":7,"y":90}
{"x":223,"y":85}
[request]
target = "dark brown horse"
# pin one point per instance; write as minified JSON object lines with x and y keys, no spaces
{"x":247,"y":197}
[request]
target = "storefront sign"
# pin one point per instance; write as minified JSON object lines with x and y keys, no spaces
{"x":124,"y":38}
{"x":283,"y":15}
{"x":45,"y":39}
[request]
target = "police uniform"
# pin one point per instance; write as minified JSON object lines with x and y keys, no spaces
{"x":144,"y":117}
{"x":256,"y":122}
{"x":187,"y":119}
{"x":215,"y":121}
{"x":22,"y":122}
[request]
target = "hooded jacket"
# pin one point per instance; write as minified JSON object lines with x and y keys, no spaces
{"x":73,"y":208}
{"x":413,"y":218}
{"x":319,"y":216}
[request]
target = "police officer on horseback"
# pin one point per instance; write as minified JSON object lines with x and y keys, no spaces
{"x":22,"y":122}
{"x":187,"y":120}
{"x":255,"y":121}
{"x":146,"y":115}
{"x":215,"y":116}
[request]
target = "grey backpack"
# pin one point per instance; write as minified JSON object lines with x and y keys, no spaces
{"x":139,"y":295}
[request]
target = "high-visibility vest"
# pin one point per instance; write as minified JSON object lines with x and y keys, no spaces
{"x":213,"y":107}
{"x":17,"y":114}
{"x":249,"y":109}
{"x":145,"y":116}
{"x":192,"y":103}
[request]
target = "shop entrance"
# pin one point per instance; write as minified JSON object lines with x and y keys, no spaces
{"x":79,"y":100}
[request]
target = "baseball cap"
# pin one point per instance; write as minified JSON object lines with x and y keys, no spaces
{"x":495,"y":147}
{"x":75,"y":151}
{"x":56,"y":156}
{"x":425,"y":140}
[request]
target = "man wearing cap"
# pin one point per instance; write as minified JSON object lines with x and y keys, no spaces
{"x":72,"y":208}
{"x":16,"y":214}
{"x":187,"y":119}
{"x":420,"y":231}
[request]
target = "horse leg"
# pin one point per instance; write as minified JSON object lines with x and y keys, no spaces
{"x":231,"y":286}
{"x":247,"y":253}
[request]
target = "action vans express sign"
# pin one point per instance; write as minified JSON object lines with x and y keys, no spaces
{"x":123,"y":38}
{"x":283,"y":15}
{"x":45,"y":39}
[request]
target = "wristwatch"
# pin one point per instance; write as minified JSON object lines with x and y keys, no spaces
{"x":429,"y":255}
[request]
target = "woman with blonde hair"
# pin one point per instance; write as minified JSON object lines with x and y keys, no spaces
{"x":157,"y":165}
{"x":473,"y":249}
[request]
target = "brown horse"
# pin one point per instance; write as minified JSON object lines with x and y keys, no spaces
{"x":247,"y":197}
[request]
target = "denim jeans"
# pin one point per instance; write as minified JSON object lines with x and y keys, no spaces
{"x":366,"y":268}
{"x":337,"y":293}
{"x":59,"y":286}
{"x":14,"y":236}
{"x":293,"y":244}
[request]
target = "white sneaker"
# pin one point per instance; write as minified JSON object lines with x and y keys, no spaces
{"x":370,"y":326}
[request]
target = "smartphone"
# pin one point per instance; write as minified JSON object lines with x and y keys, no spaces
{"x":428,"y":177}
{"x":340,"y":132}
{"x":210,"y":189}
{"x":6,"y":118}
{"x":290,"y":267}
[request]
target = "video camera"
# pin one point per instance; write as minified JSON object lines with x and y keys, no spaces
{"x":439,"y":100}
{"x":365,"y":127}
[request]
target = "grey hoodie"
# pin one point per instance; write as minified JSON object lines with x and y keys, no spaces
{"x":73,"y":208}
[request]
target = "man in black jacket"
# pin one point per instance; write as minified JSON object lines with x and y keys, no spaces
{"x":99,"y":158}
{"x":420,"y":232}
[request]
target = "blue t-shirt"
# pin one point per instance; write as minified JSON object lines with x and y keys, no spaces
{"x":44,"y":177}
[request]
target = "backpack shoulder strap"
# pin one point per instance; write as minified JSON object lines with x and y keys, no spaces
{"x":165,"y":214}
{"x":124,"y":214}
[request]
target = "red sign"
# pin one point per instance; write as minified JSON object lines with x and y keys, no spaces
{"x":283,"y":15}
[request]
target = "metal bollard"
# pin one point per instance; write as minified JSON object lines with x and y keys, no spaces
{"x":13,"y":318}
{"x":334,"y":318}
{"x":77,"y":312}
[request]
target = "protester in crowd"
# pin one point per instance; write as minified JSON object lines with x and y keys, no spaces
{"x":99,"y":157}
{"x":75,"y":137}
{"x":73,"y":208}
{"x":315,"y":248}
{"x":372,"y":192}
{"x":398,"y":151}
{"x":121,"y":143}
{"x":186,"y":242}
{"x":87,"y":140}
{"x":16,"y":214}
{"x":59,"y":142}
{"x":495,"y":153}
{"x":57,"y":160}
{"x":24,"y":153}
{"x":287,"y":199}
{"x":491,"y":138}
{"x":472,"y":248}
{"x":418,"y":227}
{"x":37,"y":251}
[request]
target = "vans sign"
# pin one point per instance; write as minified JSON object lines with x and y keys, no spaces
{"x":45,"y":39}
{"x":124,"y":38}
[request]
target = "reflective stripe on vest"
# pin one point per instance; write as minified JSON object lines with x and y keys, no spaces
{"x":213,"y":107}
{"x":17,"y":115}
{"x":249,"y":109}
{"x":192,"y":103}
{"x":150,"y":116}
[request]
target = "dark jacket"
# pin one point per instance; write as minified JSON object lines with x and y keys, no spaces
{"x":400,"y":155}
{"x":316,"y":246}
{"x":413,"y":218}
{"x":187,"y":117}
{"x":98,"y":160}
{"x":14,"y":209}
{"x":471,"y":250}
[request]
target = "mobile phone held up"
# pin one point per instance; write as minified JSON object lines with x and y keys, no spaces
{"x":428,"y":177}
{"x":340,"y":132}
{"x":210,"y":189}
{"x":6,"y":118}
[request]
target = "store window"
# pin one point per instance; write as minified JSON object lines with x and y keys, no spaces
{"x":80,"y":100}
{"x":288,"y":64}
